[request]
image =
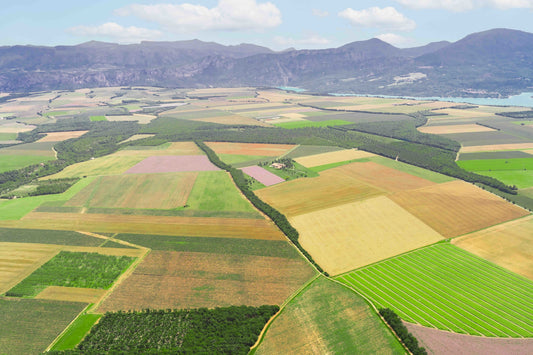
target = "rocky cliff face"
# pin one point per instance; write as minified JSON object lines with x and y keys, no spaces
{"x":498,"y":61}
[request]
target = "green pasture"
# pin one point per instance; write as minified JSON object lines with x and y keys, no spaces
{"x":430,"y":287}
{"x":304,"y":124}
{"x":8,"y":136}
{"x":98,"y":118}
{"x":71,"y":269}
{"x":76,"y":332}
{"x":521,"y":178}
{"x":12,"y":162}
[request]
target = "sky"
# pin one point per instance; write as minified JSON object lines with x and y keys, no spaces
{"x":277,"y":24}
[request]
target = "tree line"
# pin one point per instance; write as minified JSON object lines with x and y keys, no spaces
{"x":400,"y":329}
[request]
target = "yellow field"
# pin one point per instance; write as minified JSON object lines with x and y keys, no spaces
{"x":449,"y":129}
{"x":19,"y":260}
{"x":233,"y":120}
{"x":495,"y":147}
{"x":455,"y":208}
{"x":73,"y":294}
{"x":267,"y":150}
{"x":509,"y":245}
{"x":160,"y":191}
{"x":121,"y":161}
{"x":459,"y":113}
{"x":15,"y":128}
{"x":142,"y":119}
{"x":61,"y":136}
{"x":332,"y":188}
{"x":332,"y":157}
{"x":160,"y":225}
{"x":353,"y":235}
{"x":136,"y":137}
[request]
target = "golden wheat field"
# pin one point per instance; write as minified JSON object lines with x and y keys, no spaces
{"x":449,"y":129}
{"x":72,"y":294}
{"x":332,"y":157}
{"x":349,"y":236}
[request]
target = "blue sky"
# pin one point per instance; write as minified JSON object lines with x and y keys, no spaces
{"x":273,"y":23}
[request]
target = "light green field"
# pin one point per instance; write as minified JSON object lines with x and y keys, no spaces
{"x":98,"y":118}
{"x":76,"y":332}
{"x":497,"y":164}
{"x":413,"y":170}
{"x":18,"y":208}
{"x":107,"y":165}
{"x":327,"y":318}
{"x":215,"y":191}
{"x":8,"y":136}
{"x":303,"y":124}
{"x":521,"y":178}
{"x":12,"y":162}
{"x":430,"y":287}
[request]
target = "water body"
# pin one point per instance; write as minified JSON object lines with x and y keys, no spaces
{"x":524,"y":99}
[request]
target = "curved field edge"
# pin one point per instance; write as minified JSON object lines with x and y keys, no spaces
{"x":428,"y":287}
{"x":332,"y":319}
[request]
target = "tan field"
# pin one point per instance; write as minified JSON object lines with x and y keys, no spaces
{"x":383,"y":177}
{"x":159,"y":225}
{"x":353,"y":235}
{"x":332,"y":188}
{"x":459,"y":113}
{"x":174,"y":148}
{"x":332,"y":157}
{"x":142,"y":119}
{"x":160,"y":191}
{"x":268,"y":150}
{"x":61,"y":136}
{"x":233,"y":120}
{"x":72,"y":294}
{"x":169,"y":279}
{"x":19,"y":260}
{"x":495,"y":147}
{"x":136,"y":137}
{"x":449,"y":129}
{"x":509,"y":245}
{"x":15,"y":128}
{"x":455,"y":208}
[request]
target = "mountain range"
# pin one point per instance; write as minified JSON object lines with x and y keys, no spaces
{"x":491,"y":63}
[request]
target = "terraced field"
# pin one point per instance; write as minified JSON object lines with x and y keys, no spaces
{"x":429,"y":287}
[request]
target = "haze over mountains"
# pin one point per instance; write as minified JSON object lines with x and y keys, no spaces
{"x":490,"y":63}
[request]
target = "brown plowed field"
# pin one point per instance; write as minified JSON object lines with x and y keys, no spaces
{"x":382,"y":177}
{"x":160,"y":191}
{"x":332,"y":188}
{"x":168,"y":279}
{"x":353,"y":235}
{"x":269,"y":150}
{"x":160,"y":225}
{"x":509,"y":245}
{"x":455,"y":208}
{"x":73,"y":294}
{"x":439,"y":342}
{"x":332,"y":157}
{"x":449,"y":129}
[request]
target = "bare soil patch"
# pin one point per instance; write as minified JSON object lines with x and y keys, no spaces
{"x":73,"y":294}
{"x":439,"y":342}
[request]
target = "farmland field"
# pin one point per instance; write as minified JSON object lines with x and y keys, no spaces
{"x":506,"y":154}
{"x":456,"y":207}
{"x":497,"y":164}
{"x":270,"y":150}
{"x":330,"y":320}
{"x":162,"y":191}
{"x":43,"y":320}
{"x":12,"y":162}
{"x":262,"y":175}
{"x":169,"y":279}
{"x":334,"y":236}
{"x":331,"y":188}
{"x":305,"y":150}
{"x":509,"y":245}
{"x":302,"y":124}
{"x":495,"y":147}
{"x":74,"y":294}
{"x":47,"y":237}
{"x":449,"y":129}
{"x":61,"y":136}
{"x":172,"y":164}
{"x":429,"y":287}
{"x":107,"y":165}
{"x":332,"y":157}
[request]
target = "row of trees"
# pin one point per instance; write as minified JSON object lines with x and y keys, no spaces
{"x":277,"y":217}
{"x":401,"y":330}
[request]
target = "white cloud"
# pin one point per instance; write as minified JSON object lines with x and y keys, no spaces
{"x":385,"y":18}
{"x":311,"y":40}
{"x":396,"y":40}
{"x":230,"y":15}
{"x":116,"y":32}
{"x":320,"y":13}
{"x":466,"y":5}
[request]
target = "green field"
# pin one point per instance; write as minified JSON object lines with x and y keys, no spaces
{"x":12,"y":162}
{"x":521,"y":178}
{"x":41,"y":236}
{"x":18,"y":208}
{"x":328,"y":318}
{"x":413,"y":170}
{"x":75,"y":333}
{"x":227,"y":246}
{"x":497,"y":164}
{"x":28,"y":326}
{"x":215,"y":191}
{"x":304,"y":124}
{"x":8,"y":136}
{"x":320,"y":168}
{"x":71,"y":269}
{"x":305,"y":150}
{"x":98,"y":118}
{"x":445,"y":287}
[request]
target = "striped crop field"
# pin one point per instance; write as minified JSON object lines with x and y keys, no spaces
{"x":445,"y":287}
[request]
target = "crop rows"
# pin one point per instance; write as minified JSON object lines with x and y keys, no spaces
{"x":448,"y":288}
